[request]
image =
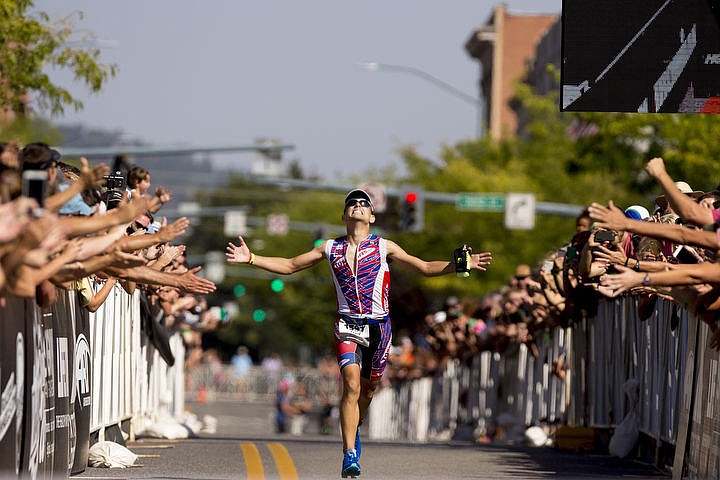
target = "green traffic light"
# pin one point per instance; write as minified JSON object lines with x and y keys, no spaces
{"x":258,"y":315}
{"x":239,"y":290}
{"x":277,"y":285}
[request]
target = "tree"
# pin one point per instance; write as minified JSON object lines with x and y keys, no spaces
{"x":30,"y":45}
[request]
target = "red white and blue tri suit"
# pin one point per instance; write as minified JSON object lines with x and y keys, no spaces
{"x":362,"y":298}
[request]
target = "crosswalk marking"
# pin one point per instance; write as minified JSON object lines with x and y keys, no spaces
{"x":284,"y":463}
{"x":253,"y":463}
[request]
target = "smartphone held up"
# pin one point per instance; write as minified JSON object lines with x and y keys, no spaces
{"x":35,"y":185}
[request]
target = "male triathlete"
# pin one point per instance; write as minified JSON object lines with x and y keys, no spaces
{"x":359,"y":263}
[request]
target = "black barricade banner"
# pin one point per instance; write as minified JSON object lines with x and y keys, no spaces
{"x":81,"y":398}
{"x":12,"y":385}
{"x":39,"y":428}
{"x":64,"y":345}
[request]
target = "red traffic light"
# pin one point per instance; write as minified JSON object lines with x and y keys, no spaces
{"x":411,"y":197}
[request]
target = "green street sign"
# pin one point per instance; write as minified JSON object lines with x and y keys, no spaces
{"x":480,"y":202}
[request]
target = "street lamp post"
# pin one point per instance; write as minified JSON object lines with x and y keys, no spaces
{"x":386,"y":67}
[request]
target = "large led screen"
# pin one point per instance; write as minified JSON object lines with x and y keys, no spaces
{"x":640,"y":56}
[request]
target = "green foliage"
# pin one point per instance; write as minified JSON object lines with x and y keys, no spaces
{"x":30,"y":45}
{"x":303,"y":311}
{"x":31,"y":129}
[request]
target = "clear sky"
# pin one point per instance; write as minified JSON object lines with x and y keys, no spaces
{"x":226,"y":72}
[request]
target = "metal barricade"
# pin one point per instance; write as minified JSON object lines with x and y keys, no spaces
{"x":601,"y":354}
{"x":131,"y":381}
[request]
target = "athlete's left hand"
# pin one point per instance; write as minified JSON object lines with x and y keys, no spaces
{"x":480,"y":260}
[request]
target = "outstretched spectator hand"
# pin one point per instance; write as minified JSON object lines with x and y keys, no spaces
{"x":656,"y":167}
{"x":95,"y":177}
{"x":71,"y":249}
{"x":46,"y":232}
{"x":623,"y":281}
{"x":170,"y":232}
{"x":122,"y":259}
{"x":191,"y":283}
{"x":134,"y":207}
{"x":610,"y":217}
{"x":163,"y":195}
{"x":54,"y":234}
{"x":170,"y":253}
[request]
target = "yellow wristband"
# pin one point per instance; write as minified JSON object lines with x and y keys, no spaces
{"x":252,"y":259}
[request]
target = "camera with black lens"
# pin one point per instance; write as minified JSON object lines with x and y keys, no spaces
{"x":114,"y":189}
{"x":605,"y":236}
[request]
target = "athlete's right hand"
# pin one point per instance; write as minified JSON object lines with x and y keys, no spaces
{"x":238,"y":253}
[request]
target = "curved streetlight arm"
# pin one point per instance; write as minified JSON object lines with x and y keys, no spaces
{"x":375,"y":67}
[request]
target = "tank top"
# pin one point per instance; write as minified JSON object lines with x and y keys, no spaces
{"x":363,"y":294}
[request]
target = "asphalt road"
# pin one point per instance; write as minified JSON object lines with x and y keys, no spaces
{"x":245,"y":446}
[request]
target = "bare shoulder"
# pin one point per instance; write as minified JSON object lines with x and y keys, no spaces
{"x":393,"y":249}
{"x":319,"y":250}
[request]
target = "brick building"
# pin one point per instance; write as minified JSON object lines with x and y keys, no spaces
{"x":505,"y":47}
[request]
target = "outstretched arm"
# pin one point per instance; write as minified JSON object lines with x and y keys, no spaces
{"x":435,"y":268}
{"x":612,"y":217}
{"x":284,"y":266}
{"x":165,"y":234}
{"x":683,"y":205}
{"x":187,"y":282}
{"x":79,"y":226}
{"x":689,"y":274}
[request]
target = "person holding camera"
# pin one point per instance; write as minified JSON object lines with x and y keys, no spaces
{"x":360,"y":266}
{"x":597,"y":256}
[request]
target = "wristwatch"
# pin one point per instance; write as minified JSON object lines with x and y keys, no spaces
{"x":636,"y":267}
{"x":646,"y":280}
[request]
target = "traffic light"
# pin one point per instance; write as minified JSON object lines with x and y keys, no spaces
{"x":412,"y":209}
{"x":239,"y":290}
{"x":259,"y":315}
{"x":277,"y":285}
{"x":319,"y":235}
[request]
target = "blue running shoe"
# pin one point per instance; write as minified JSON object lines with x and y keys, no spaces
{"x":358,"y":445}
{"x":350,"y":465}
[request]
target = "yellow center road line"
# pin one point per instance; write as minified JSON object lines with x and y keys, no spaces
{"x":253,"y":463}
{"x":285,"y":465}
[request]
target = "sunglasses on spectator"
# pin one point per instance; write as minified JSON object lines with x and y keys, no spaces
{"x":355,"y":201}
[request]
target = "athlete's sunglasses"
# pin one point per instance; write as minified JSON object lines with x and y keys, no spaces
{"x":354,"y":201}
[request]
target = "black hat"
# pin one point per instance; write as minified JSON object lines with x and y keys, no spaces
{"x":359,"y":194}
{"x":38,"y":156}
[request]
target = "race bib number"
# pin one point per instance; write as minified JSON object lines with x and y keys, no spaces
{"x":354,"y":332}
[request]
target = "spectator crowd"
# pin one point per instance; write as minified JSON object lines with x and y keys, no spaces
{"x":667,"y":250}
{"x":87,"y":228}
